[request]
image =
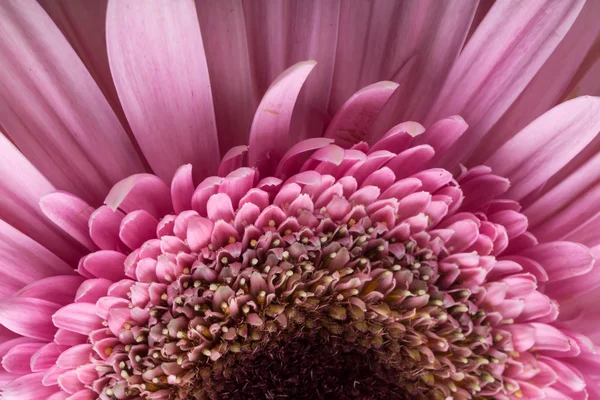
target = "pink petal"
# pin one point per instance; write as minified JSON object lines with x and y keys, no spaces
{"x":182,"y":188}
{"x":75,"y":356}
{"x":161,"y":43}
{"x":234,"y":93}
{"x":557,"y":135}
{"x":199,"y":233}
{"x":237,"y":183}
{"x":38,"y":107}
{"x":79,"y":318}
{"x":137,"y":227}
{"x":232,"y":160}
{"x":26,"y":261}
{"x":69,"y":382}
{"x":23,"y":186}
{"x":141,"y":192}
{"x":84,"y":27}
{"x":269,"y":135}
{"x":45,"y":357}
{"x":353,"y":120}
{"x":16,"y":360}
{"x":538,"y":96}
{"x":106,"y":264}
{"x":577,"y":285}
{"x":37,"y":325}
{"x":71,"y":214}
{"x":268,"y":25}
{"x":104,"y":226}
{"x":411,"y":161}
{"x":28,"y":387}
{"x":91,"y":290}
{"x":442,"y":135}
{"x":492,"y":70}
{"x":385,"y":35}
{"x":293,"y":159}
{"x":399,"y":137}
{"x":58,"y":289}
{"x":561,"y":260}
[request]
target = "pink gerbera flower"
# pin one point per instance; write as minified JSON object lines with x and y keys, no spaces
{"x":175,"y":228}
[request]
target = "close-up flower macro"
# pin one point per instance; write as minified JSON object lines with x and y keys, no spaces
{"x":299,"y":199}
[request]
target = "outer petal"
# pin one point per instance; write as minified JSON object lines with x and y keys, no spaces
{"x":54,"y":111}
{"x":353,"y":121}
{"x":539,"y":96}
{"x":277,"y":33}
{"x":22,"y":187}
{"x":378,"y":38}
{"x":546,"y":145}
{"x":37,"y":325}
{"x":23,"y":260}
{"x":270,"y":133}
{"x":234,"y":93}
{"x":172,"y":118}
{"x":71,"y":214}
{"x":498,"y":62}
{"x":28,"y":387}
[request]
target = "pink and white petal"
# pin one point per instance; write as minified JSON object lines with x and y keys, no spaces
{"x":22,"y":186}
{"x":141,"y":192}
{"x":71,"y":214}
{"x":28,"y":387}
{"x":270,"y":132}
{"x":546,"y":145}
{"x":234,"y":93}
{"x":539,"y":96}
{"x":54,"y":111}
{"x":352,"y":122}
{"x":173,"y":119}
{"x":493,"y":69}
{"x":37,"y":325}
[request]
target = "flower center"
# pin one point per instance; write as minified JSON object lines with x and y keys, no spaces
{"x":337,"y":310}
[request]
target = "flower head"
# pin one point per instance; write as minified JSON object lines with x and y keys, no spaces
{"x":357,"y":258}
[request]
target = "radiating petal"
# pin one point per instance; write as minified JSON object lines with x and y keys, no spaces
{"x":22,"y":187}
{"x":539,"y":96}
{"x":270,"y":133}
{"x":53,"y":109}
{"x":37,"y":325}
{"x":173,"y":118}
{"x":353,"y":120}
{"x":504,"y":54}
{"x":28,"y":387}
{"x":233,"y":90}
{"x":547,"y":144}
{"x":71,"y":214}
